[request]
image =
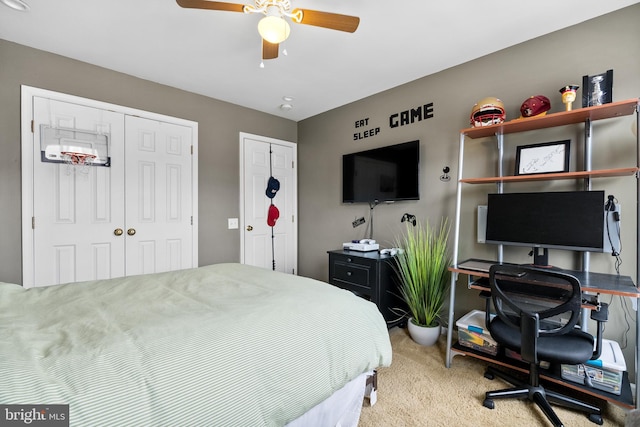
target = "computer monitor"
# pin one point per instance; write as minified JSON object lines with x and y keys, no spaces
{"x":569,"y":220}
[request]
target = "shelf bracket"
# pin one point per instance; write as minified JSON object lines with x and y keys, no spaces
{"x":587,"y":130}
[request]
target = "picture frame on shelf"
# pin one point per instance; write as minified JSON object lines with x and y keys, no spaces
{"x":542,"y":158}
{"x":597,"y":89}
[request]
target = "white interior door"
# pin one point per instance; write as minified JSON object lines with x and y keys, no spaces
{"x":76,"y":210}
{"x":262,"y":245}
{"x":159,"y":206}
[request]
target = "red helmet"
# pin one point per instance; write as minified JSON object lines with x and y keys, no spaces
{"x":487,"y":111}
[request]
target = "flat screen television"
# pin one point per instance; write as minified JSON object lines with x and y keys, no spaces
{"x":385,"y":174}
{"x":571,"y":220}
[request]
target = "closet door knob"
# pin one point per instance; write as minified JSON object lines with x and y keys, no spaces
{"x":249,"y":228}
{"x":118,"y":231}
{"x":131,"y":231}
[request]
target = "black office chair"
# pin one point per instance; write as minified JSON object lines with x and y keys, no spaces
{"x":536,"y":315}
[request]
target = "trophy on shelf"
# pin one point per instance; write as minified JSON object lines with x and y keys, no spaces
{"x":597,"y":94}
{"x":597,"y":89}
{"x":569,"y":95}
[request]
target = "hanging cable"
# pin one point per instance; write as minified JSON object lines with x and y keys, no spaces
{"x":612,"y":214}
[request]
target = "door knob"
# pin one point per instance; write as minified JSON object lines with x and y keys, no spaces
{"x":249,"y":228}
{"x":118,"y":231}
{"x":131,"y":231}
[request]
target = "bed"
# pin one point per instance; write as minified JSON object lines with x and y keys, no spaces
{"x":221,"y":345}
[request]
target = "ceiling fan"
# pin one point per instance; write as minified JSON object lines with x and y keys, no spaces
{"x":273,"y":28}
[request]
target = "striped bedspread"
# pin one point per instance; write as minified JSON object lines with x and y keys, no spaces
{"x":222,"y":345}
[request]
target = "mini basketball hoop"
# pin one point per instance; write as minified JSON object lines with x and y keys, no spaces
{"x":74,"y":147}
{"x":78,"y":160}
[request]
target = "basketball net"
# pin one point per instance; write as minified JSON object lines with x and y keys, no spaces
{"x":77,"y":162}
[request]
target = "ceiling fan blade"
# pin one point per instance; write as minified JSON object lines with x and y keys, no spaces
{"x":212,"y":5}
{"x":269,"y":50}
{"x":333,"y":21}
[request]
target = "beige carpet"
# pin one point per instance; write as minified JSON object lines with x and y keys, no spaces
{"x":418,"y":390}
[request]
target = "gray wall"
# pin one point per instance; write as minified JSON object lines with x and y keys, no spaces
{"x":219,"y":127}
{"x":540,"y":66}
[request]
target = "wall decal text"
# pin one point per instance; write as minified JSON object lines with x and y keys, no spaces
{"x":366,"y":133}
{"x":411,"y":116}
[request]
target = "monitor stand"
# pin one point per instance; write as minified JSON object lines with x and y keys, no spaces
{"x":540,"y":259}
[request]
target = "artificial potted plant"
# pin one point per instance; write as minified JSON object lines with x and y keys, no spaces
{"x":422,"y":265}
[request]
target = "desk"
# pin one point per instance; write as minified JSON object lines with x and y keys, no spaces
{"x":592,"y":284}
{"x":609,"y":284}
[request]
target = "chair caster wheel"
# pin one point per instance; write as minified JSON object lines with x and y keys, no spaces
{"x":488,"y":403}
{"x":488,"y":375}
{"x":595,"y":418}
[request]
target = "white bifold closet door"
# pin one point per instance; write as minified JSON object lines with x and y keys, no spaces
{"x":132,"y":217}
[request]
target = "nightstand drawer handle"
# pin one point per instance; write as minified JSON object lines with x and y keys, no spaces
{"x":348,"y":273}
{"x":349,"y":260}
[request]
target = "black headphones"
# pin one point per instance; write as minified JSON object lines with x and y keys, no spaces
{"x":610,"y":206}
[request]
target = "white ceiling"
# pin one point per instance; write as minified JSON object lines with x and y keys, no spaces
{"x":217,"y":54}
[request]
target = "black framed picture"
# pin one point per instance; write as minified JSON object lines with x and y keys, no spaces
{"x":546,"y":157}
{"x":597,"y":89}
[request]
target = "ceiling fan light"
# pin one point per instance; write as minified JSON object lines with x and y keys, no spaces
{"x":274,"y":29}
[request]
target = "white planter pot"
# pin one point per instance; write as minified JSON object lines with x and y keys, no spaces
{"x":423,"y":335}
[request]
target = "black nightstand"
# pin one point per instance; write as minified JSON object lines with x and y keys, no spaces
{"x":370,"y":276}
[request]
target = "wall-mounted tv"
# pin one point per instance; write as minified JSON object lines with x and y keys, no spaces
{"x":385,"y":174}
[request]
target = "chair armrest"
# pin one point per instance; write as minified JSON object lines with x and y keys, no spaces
{"x":600,"y":316}
{"x":487,"y":307}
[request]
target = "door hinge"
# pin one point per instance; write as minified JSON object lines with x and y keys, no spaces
{"x":33,"y":222}
{"x":32,"y":126}
{"x":293,"y":164}
{"x":191,"y":219}
{"x":293,"y":218}
{"x":192,"y":150}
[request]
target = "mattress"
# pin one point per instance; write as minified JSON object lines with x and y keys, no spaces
{"x":223,"y":345}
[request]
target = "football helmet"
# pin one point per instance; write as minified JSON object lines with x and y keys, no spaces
{"x":487,"y":111}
